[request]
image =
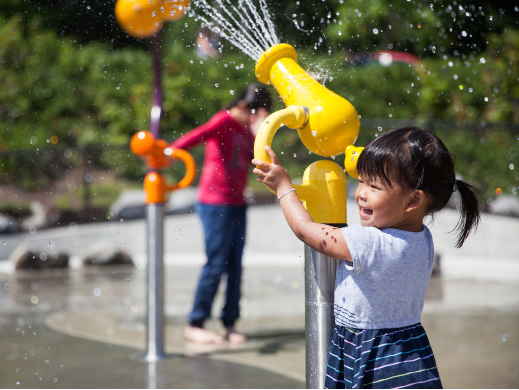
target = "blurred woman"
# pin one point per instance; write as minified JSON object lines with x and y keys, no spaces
{"x":229,"y":142}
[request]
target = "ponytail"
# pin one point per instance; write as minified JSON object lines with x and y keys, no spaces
{"x":469,"y":210}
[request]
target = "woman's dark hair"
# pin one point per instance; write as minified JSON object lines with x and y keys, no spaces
{"x":418,"y":160}
{"x":256,"y":96}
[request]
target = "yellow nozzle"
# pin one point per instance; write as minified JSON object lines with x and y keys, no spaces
{"x":333,"y":123}
{"x":351,"y":159}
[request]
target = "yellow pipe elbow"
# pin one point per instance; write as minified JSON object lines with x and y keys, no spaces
{"x":293,"y":117}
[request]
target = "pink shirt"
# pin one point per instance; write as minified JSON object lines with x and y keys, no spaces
{"x":228,"y":153}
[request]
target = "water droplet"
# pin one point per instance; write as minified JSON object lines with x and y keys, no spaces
{"x":314,"y":133}
{"x":217,"y":85}
{"x":47,"y":361}
{"x":17,"y":383}
{"x":5,"y":243}
{"x":380,"y":128}
{"x":62,"y":365}
{"x":231,"y":91}
{"x":154,"y":12}
{"x":191,"y":61}
{"x":295,"y":155}
{"x":55,"y":380}
{"x":504,"y":337}
{"x":333,"y":157}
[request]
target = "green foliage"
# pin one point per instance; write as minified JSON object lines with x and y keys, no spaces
{"x":95,"y":95}
{"x":426,"y":28}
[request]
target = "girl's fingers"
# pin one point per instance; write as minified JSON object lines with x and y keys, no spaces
{"x":272,"y":155}
{"x":261,"y":164}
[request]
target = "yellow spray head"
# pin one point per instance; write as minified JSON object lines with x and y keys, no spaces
{"x":351,"y":159}
{"x":333,"y":123}
{"x":144,"y":18}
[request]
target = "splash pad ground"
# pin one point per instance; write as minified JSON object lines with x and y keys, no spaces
{"x":471,"y":313}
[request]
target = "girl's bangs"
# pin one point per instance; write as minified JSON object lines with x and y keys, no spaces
{"x":376,"y":163}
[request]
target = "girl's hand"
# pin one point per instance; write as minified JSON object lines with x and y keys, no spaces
{"x":274,"y":176}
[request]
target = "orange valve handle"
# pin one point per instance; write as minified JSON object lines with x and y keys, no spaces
{"x":155,"y":187}
{"x":190,"y":164}
{"x":151,"y":150}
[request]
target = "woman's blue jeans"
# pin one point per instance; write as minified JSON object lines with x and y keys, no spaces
{"x":224,"y":231}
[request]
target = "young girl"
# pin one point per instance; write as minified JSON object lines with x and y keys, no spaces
{"x":229,"y":139}
{"x":378,"y":341}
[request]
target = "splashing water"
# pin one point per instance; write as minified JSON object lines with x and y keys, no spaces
{"x":245,"y":27}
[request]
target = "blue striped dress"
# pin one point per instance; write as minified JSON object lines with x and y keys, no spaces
{"x":381,"y":359}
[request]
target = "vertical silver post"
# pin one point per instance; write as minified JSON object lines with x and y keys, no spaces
{"x":155,"y":281}
{"x":319,"y":319}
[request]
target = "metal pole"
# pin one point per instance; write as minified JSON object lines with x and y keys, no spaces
{"x":156,"y":105}
{"x":319,"y":318}
{"x":155,"y":280}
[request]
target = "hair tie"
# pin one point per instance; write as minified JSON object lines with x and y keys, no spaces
{"x":454,"y":186}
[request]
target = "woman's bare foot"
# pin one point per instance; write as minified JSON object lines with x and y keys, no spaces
{"x":202,"y":336}
{"x":234,"y":337}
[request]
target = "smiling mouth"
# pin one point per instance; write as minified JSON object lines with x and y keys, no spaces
{"x":366,"y":211}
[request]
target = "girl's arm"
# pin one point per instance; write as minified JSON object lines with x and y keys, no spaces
{"x":203,"y":132}
{"x":325,"y":239}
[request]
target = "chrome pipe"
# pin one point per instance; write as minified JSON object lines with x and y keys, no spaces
{"x":319,"y":318}
{"x":155,"y":283}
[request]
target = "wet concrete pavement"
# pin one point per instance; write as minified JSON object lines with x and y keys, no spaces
{"x":44,"y":358}
{"x":91,"y":341}
{"x":83,"y":327}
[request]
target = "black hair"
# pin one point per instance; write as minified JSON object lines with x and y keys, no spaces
{"x":255,"y":96}
{"x":418,"y":160}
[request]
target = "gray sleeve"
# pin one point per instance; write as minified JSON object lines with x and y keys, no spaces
{"x":360,"y":242}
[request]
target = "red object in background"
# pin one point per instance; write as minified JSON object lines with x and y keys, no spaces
{"x":228,"y":152}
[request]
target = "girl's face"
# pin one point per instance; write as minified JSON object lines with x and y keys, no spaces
{"x":380,"y":206}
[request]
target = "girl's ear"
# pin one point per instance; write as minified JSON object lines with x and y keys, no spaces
{"x":415,"y":200}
